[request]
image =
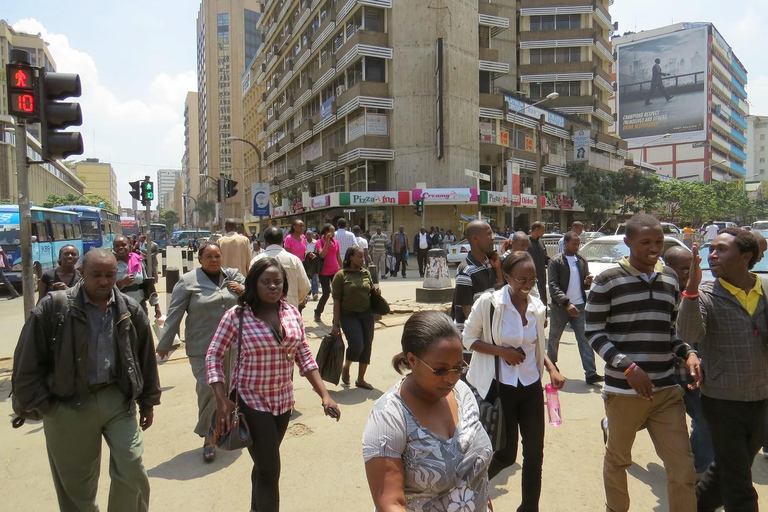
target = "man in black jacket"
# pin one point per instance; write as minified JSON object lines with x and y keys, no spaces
{"x":569,"y":279}
{"x":84,"y":360}
{"x":540,"y":259}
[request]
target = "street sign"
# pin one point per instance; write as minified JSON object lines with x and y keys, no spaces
{"x":350,"y":210}
{"x":700,"y":144}
{"x":477,"y":175}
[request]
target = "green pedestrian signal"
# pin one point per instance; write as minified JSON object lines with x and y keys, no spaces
{"x":147,"y":192}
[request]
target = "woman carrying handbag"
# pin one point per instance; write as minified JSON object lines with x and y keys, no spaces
{"x":506,"y":328}
{"x":272,"y":341}
{"x":352,"y":287}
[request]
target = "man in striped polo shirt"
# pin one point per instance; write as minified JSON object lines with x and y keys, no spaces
{"x":630,"y":314}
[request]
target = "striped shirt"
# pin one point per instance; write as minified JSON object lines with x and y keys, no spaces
{"x":632,"y":320}
{"x":379,"y":243}
{"x":473,"y":278}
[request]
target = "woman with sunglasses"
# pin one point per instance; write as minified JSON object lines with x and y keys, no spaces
{"x":508,"y":326}
{"x":424,"y":446}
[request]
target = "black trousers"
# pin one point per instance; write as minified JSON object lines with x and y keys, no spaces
{"x":325,"y":283}
{"x":267,"y":432}
{"x":358,"y":329}
{"x":738,"y":432}
{"x":422,"y":256}
{"x":523,"y":408}
{"x":400,"y":260}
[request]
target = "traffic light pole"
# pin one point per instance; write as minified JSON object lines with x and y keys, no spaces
{"x":25,"y":217}
{"x":150,"y":271}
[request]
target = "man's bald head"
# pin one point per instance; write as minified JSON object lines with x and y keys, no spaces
{"x":100,"y":255}
{"x":679,"y":259}
{"x":476,"y":227}
{"x":520,"y":241}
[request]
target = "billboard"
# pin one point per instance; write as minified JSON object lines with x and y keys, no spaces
{"x":662,"y":88}
{"x":260,"y":199}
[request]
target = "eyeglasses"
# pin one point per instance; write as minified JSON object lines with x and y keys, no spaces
{"x":532,"y":282}
{"x":442,"y":372}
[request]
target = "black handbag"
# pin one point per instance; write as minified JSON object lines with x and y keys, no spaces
{"x":492,"y":414}
{"x":330,"y":358}
{"x":379,"y":305}
{"x":239,"y":436}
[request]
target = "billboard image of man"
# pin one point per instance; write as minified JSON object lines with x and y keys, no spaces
{"x":657,"y":83}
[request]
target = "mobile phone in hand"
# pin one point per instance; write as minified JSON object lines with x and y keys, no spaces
{"x":333,"y":412}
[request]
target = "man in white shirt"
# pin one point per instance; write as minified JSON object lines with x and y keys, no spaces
{"x":421,"y":244}
{"x":345,"y":238}
{"x":362,"y":243}
{"x":298,"y":282}
{"x":711,"y":230}
{"x":578,"y":228}
{"x":569,"y":279}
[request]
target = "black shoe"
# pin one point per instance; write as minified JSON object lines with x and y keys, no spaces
{"x":670,"y":98}
{"x":594,"y":379}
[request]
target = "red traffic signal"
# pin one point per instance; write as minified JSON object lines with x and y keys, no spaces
{"x":23,"y":91}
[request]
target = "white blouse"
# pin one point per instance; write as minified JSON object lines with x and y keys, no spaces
{"x":514,"y":334}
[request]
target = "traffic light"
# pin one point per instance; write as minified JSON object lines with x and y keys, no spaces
{"x":23,"y":91}
{"x":56,"y":115}
{"x":419,"y":210}
{"x":136,"y":190}
{"x":147,"y":192}
{"x":231,"y":188}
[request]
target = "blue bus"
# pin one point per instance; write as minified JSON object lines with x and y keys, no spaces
{"x":158,"y":233}
{"x":99,"y":226}
{"x":51,"y":230}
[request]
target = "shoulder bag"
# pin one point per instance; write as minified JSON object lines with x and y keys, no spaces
{"x":239,"y":436}
{"x":379,"y":304}
{"x":491,"y":414}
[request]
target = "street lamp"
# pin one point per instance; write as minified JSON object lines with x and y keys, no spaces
{"x":705,"y":170}
{"x":537,"y":174}
{"x":258,"y":155}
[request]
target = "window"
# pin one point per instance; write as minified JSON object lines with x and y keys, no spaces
{"x":355,"y":73}
{"x":762,"y":148}
{"x":485,"y":82}
{"x":762,"y":160}
{"x":542,"y":89}
{"x":377,"y":175}
{"x":374,"y":69}
{"x":555,"y":22}
{"x":333,"y":182}
{"x":555,"y":55}
{"x":334,"y":138}
{"x":357,"y":178}
{"x":485,"y":36}
{"x":373,"y":19}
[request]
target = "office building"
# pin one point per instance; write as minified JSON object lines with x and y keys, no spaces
{"x":680,"y":102}
{"x":190,"y":162}
{"x":334,"y":144}
{"x":757,"y":142}
{"x":166,"y":180}
{"x":227,"y":38}
{"x":99,"y":178}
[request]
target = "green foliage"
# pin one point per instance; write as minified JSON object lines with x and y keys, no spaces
{"x":206,"y":209}
{"x":169,"y":218}
{"x":593,"y":189}
{"x":84,"y":200}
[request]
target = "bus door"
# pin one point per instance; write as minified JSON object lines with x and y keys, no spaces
{"x":91,"y":233}
{"x":43,"y":256}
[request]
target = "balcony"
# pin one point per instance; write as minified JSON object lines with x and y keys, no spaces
{"x":557,"y":72}
{"x":560,"y":35}
{"x":488,"y":9}
{"x":494,"y":101}
{"x":370,"y":89}
{"x":491,"y":153}
{"x":366,"y":37}
{"x":489,"y":55}
{"x":554,"y":3}
{"x":328,"y":65}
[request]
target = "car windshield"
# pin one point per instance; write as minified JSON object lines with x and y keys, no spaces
{"x":761,"y":225}
{"x":611,"y":251}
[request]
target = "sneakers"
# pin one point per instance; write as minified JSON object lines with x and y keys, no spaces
{"x":595,"y":379}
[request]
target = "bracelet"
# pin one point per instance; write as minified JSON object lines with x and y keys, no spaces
{"x":690,"y":295}
{"x":631,"y":367}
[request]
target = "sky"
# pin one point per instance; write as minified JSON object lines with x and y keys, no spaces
{"x":137,"y":60}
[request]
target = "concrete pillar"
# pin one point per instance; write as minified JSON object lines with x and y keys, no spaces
{"x":437,"y":286}
{"x":171,"y":275}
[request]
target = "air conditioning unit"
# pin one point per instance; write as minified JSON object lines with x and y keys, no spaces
{"x":340,"y":90}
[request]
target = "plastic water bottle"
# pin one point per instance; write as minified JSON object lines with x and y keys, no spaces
{"x":553,"y":406}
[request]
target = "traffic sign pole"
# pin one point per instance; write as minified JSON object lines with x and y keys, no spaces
{"x":479,"y":176}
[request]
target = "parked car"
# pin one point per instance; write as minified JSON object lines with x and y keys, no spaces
{"x":667,"y":227}
{"x":606,"y":252}
{"x":760,"y":225}
{"x":456,"y":253}
{"x":721,"y":224}
{"x":760,"y":268}
{"x":551,"y":242}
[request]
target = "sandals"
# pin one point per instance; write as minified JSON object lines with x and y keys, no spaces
{"x":345,"y":379}
{"x":363,"y":385}
{"x":209,"y":453}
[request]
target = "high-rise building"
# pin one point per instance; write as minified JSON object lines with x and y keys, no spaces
{"x":757,"y":148}
{"x":227,"y":39}
{"x":190,"y":162}
{"x":166,"y":180}
{"x":99,"y":178}
{"x":331,"y":73}
{"x":44,"y":179}
{"x":681,"y":103}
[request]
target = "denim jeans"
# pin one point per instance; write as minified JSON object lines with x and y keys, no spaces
{"x":559,"y":318}
{"x":701,"y":443}
{"x":313,"y":284}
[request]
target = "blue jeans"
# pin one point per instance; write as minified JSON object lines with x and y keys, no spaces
{"x":701,"y":443}
{"x":313,"y":284}
{"x":559,"y":318}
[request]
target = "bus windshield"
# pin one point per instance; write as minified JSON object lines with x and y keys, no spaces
{"x":90,"y":229}
{"x":10,"y":235}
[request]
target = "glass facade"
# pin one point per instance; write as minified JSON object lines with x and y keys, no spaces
{"x":225,"y":91}
{"x":252,"y":34}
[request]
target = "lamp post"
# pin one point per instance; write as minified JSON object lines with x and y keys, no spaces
{"x":185,"y":210}
{"x":705,"y":170}
{"x":258,"y":155}
{"x":550,"y":96}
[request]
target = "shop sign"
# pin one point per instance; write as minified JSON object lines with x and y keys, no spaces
{"x":297,"y":206}
{"x":529,"y":144}
{"x":528,"y":200}
{"x":504,"y":138}
{"x":374,"y":198}
{"x":320,"y":201}
{"x":515,"y":105}
{"x":356,"y":127}
{"x":492,"y":198}
{"x":445,"y":195}
{"x":281,"y":211}
{"x":377,"y":124}
{"x":561,"y":201}
{"x":486,"y":132}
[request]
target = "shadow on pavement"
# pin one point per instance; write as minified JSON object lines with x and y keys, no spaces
{"x":500,"y":485}
{"x":654,"y":477}
{"x":354,"y":396}
{"x":189,"y":465}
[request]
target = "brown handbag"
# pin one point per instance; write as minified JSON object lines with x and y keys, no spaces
{"x":239,"y":436}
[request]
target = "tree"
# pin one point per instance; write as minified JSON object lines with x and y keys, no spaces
{"x":169,"y":218}
{"x":635,"y":190}
{"x":593,"y":189}
{"x":206,"y":209}
{"x":84,"y":200}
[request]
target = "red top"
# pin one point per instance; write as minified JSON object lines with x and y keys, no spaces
{"x":296,"y":247}
{"x":265,"y":376}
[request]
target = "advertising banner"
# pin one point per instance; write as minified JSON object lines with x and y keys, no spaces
{"x":486,"y":132}
{"x":260,"y":199}
{"x":312,"y":151}
{"x":356,"y":127}
{"x":445,"y":195}
{"x":581,"y":146}
{"x":662,"y":88}
{"x":521,"y":108}
{"x":513,"y":179}
{"x":326,"y":109}
{"x":374,"y":198}
{"x":504,"y":138}
{"x":377,"y":124}
{"x":320,"y":201}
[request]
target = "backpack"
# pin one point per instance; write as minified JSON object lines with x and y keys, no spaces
{"x":60,"y":310}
